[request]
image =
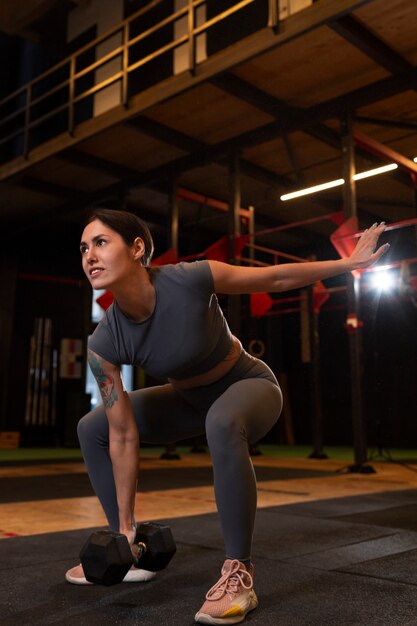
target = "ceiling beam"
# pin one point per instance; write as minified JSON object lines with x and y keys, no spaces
{"x":364,"y":96}
{"x":264,"y":175}
{"x":46,"y":188}
{"x":90,"y":161}
{"x":283,"y":112}
{"x":308,"y":117}
{"x":204,"y":154}
{"x":165,"y":133}
{"x":354,"y":31}
{"x":386,"y":154}
{"x":240,"y":88}
{"x":391,"y":122}
{"x":197,"y":147}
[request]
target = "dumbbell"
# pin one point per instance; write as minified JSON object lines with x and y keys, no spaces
{"x":107,"y":556}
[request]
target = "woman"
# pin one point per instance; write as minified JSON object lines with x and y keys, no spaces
{"x":168,"y":321}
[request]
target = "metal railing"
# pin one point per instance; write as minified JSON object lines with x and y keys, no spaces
{"x":59,"y":90}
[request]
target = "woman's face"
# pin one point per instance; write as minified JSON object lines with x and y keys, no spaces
{"x":106,"y":259}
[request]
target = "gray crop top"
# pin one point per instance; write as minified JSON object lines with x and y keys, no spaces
{"x":185,"y":336}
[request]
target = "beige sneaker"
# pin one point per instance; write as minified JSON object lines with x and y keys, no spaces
{"x":231,"y":598}
{"x":75,"y":576}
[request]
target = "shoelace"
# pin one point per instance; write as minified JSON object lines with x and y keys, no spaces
{"x":230,"y":581}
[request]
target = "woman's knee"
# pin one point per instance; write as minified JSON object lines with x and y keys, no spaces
{"x":223,"y":426}
{"x":92,"y":426}
{"x":247,"y":411}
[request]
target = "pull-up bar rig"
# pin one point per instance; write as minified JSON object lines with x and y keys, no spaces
{"x":220,"y":250}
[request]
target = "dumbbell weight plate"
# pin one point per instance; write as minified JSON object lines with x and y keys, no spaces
{"x":106,"y":558}
{"x":160,"y":546}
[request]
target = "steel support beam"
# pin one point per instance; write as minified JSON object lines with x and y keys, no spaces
{"x":386,"y":154}
{"x":285,"y":114}
{"x":352,"y":29}
{"x":353,"y":301}
{"x":390,"y":123}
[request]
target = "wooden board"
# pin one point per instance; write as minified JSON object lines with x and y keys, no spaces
{"x":395,"y":22}
{"x":9,"y":439}
{"x":319,"y":66}
{"x":209,"y":114}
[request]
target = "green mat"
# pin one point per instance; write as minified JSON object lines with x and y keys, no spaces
{"x":302,"y":451}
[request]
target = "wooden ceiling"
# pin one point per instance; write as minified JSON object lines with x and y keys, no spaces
{"x":280,"y":110}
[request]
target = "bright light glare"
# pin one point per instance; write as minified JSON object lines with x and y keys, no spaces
{"x":305,"y":192}
{"x":375,"y":172}
{"x":383,"y":280}
{"x":340,"y":181}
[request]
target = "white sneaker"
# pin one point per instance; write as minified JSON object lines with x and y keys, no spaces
{"x":75,"y":576}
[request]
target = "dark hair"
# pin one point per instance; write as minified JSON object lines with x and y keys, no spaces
{"x":129,"y":226}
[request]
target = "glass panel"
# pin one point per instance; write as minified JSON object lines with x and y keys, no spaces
{"x":91,"y":386}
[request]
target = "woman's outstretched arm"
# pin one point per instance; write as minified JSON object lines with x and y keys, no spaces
{"x":234,"y":279}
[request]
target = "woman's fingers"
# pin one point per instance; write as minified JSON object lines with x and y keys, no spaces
{"x":378,"y":254}
{"x":382,"y":249}
{"x":373,"y":233}
{"x":380,"y":227}
{"x":366,"y":251}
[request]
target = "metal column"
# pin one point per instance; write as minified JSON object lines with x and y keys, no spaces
{"x":253,"y":448}
{"x":353,"y":293}
{"x":234,"y":302}
{"x":170,"y":453}
{"x":317,"y":419}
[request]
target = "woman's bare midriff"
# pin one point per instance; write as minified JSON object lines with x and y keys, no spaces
{"x":217,"y":372}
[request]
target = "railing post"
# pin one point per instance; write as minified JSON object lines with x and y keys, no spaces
{"x":27,"y":121}
{"x":125,"y":64}
{"x":273,"y":17}
{"x":71,"y":96}
{"x":191,"y":37}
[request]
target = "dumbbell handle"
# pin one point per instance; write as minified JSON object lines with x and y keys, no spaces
{"x":138,"y":550}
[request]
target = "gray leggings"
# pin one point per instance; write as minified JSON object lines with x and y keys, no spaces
{"x":235,"y":411}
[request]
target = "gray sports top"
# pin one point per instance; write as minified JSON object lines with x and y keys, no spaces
{"x":185,"y":336}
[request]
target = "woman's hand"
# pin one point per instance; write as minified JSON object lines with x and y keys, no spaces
{"x":130,"y":534}
{"x":365,"y":254}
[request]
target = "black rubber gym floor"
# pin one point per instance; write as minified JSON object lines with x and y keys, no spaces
{"x":340,"y":562}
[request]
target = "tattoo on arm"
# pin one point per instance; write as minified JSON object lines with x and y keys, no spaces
{"x":104,"y":381}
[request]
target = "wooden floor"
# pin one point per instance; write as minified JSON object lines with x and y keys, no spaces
{"x":48,"y":516}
